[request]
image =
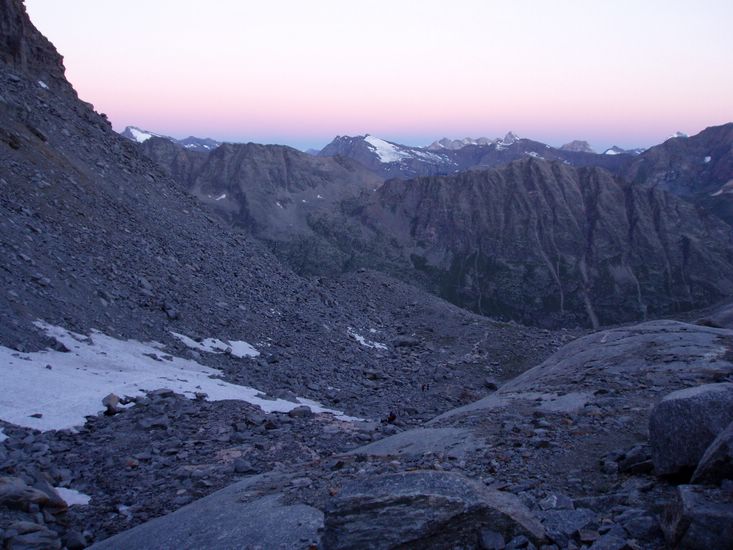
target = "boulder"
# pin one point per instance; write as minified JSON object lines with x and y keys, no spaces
{"x":699,"y":518}
{"x":16,"y":493}
{"x":26,"y":535}
{"x":717,"y":462}
{"x":561,"y":525}
{"x":424,"y":509}
{"x":685,"y":423}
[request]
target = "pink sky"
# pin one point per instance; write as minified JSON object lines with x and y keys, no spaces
{"x":623,"y":72}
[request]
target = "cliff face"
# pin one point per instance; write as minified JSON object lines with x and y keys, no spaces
{"x":544,"y":242}
{"x":698,"y":168}
{"x":25,"y":49}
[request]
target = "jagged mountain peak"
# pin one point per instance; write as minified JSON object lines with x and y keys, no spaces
{"x":510,"y":138}
{"x":456,"y":144}
{"x":578,"y":146}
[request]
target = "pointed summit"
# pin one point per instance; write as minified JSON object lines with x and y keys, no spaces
{"x":578,"y":146}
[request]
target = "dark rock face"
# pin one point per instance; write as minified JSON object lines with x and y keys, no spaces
{"x":544,"y":242}
{"x":179,"y":162}
{"x":24,"y":48}
{"x":685,"y":423}
{"x":699,"y":519}
{"x":425,"y":509}
{"x":717,"y":462}
{"x":698,"y":168}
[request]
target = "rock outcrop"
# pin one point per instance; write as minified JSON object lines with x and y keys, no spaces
{"x":685,"y":423}
{"x":423,"y":509}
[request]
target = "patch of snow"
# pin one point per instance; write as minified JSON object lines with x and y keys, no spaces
{"x":707,"y":159}
{"x":319,"y":197}
{"x":611,"y":152}
{"x":678,"y":135}
{"x":141,"y":136}
{"x":386,"y":151}
{"x":220,"y":197}
{"x":66,"y":387}
{"x":3,"y":437}
{"x":237,"y":348}
{"x":73,"y":497}
{"x":534,"y":155}
{"x":363,"y":341}
{"x":43,"y":85}
{"x":280,"y":205}
{"x":303,"y":200}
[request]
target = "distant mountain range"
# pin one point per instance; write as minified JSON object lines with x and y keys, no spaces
{"x":193,"y":143}
{"x":443,"y":157}
{"x":592,"y":237}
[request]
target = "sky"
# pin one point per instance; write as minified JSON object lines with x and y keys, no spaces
{"x":297,"y":72}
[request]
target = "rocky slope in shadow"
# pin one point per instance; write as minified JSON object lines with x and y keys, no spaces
{"x":270,"y":190}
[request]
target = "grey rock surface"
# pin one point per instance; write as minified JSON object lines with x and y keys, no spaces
{"x":423,"y":509}
{"x":685,"y":423}
{"x":222,"y":521}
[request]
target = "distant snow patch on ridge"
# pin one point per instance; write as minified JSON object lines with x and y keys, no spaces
{"x":707,"y":159}
{"x":363,"y":341}
{"x":141,"y":136}
{"x":386,"y":151}
{"x":73,"y":497}
{"x":54,"y":390}
{"x":3,"y":437}
{"x":237,"y":348}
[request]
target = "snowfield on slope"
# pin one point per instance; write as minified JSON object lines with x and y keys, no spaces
{"x":53,"y":390}
{"x":237,"y":348}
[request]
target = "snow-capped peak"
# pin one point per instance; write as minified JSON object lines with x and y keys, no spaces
{"x":510,"y":138}
{"x":136,"y":134}
{"x":386,"y":151}
{"x":678,"y":135}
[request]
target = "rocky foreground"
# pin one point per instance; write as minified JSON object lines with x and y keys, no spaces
{"x":621,"y":439}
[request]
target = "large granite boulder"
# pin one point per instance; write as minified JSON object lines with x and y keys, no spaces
{"x":423,"y":509}
{"x":685,"y":423}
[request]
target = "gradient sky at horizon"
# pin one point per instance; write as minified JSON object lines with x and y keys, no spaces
{"x":626,"y":72}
